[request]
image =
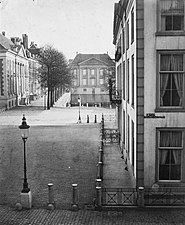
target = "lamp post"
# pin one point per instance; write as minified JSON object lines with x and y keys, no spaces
{"x":79,"y":117}
{"x":24,"y":128}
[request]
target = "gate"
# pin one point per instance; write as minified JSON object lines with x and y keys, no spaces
{"x":119,"y":197}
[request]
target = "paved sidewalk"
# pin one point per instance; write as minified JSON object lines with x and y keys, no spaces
{"x":114,"y":173}
{"x":10,"y":216}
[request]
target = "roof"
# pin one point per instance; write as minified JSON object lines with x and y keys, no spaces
{"x":84,"y":57}
{"x":5,"y":42}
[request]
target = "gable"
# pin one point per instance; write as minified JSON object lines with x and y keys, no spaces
{"x":21,"y":52}
{"x":92,"y":61}
{"x":2,"y":48}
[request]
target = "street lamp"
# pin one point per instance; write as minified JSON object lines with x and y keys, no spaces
{"x":24,"y":128}
{"x":79,"y":118}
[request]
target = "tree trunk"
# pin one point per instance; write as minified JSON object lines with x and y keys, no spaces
{"x":48,"y":105}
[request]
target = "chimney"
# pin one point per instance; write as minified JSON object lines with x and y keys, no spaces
{"x":3,"y":33}
{"x":25,"y":41}
{"x":13,"y":39}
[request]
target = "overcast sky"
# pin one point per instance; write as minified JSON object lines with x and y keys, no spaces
{"x":83,"y":26}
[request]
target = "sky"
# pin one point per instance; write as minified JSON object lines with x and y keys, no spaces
{"x":71,"y":26}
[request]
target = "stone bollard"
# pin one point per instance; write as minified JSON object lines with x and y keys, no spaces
{"x":98,"y":197}
{"x":74,"y":205}
{"x":87,"y":118}
{"x":51,"y":202}
{"x":95,"y":119}
{"x":141,"y":197}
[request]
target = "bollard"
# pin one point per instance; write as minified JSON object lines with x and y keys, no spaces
{"x":141,"y":197}
{"x":95,"y":120}
{"x":74,"y":205}
{"x":100,"y":165}
{"x":87,"y":118}
{"x":98,"y":182}
{"x":51,"y":201}
{"x":98,"y":197}
{"x":100,"y":155}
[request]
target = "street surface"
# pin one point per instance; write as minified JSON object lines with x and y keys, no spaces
{"x":9,"y":216}
{"x":75,"y":161}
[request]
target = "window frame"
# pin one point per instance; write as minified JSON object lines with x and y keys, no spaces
{"x":169,"y":108}
{"x":132,"y":25}
{"x":158,"y":130}
{"x":167,"y":32}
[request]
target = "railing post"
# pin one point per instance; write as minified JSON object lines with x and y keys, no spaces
{"x":141,"y":197}
{"x":74,"y":205}
{"x":51,"y":201}
{"x":98,"y":197}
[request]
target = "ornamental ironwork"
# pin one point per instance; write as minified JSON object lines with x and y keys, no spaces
{"x":111,"y":136}
{"x":119,"y":196}
{"x":114,"y":93}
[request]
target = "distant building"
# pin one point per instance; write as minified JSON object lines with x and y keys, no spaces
{"x":18,"y":71}
{"x":14,"y":73}
{"x":90,"y":74}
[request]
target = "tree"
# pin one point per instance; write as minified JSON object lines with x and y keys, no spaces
{"x":53,"y":72}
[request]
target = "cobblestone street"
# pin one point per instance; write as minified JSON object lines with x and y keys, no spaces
{"x":9,"y":216}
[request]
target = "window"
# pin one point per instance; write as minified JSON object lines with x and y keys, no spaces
{"x":92,"y":72}
{"x":92,"y":81}
{"x":101,"y":81}
{"x":128,"y":135}
{"x":171,"y":80}
{"x":123,"y":41}
{"x":84,"y":72}
{"x":124,"y":80}
{"x":84,"y":81}
{"x":127,"y":34}
{"x":101,"y":72}
{"x":169,"y":155}
{"x":172,"y":15}
{"x":133,"y":91}
{"x":128,"y":81}
{"x":132,"y":26}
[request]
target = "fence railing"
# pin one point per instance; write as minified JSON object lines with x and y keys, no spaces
{"x":165,"y":196}
{"x":119,"y":196}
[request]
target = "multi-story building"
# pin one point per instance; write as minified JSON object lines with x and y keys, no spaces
{"x":90,"y":73}
{"x":16,"y":76}
{"x":149,"y":36}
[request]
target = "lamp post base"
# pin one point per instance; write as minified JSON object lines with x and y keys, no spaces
{"x":26,"y":200}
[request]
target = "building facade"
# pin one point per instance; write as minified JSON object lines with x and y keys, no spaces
{"x":149,"y":38}
{"x":90,"y":75}
{"x":15,"y":75}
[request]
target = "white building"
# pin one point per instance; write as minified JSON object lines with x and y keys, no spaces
{"x":149,"y":36}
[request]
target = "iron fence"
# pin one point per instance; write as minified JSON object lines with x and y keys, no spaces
{"x":119,"y":196}
{"x":164,"y":196}
{"x":111,"y":136}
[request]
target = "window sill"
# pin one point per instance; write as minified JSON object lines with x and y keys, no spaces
{"x":170,"y":110}
{"x":170,"y":33}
